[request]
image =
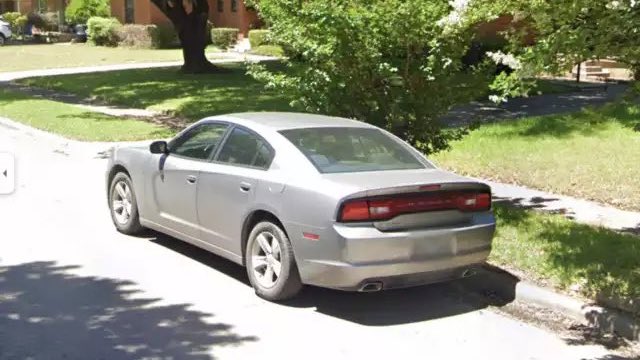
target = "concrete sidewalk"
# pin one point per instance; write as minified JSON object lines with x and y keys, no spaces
{"x":582,"y":211}
{"x":539,"y":105}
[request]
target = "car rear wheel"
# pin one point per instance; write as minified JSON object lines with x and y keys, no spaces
{"x":123,"y":205}
{"x":271,"y":265}
{"x":2,"y":40}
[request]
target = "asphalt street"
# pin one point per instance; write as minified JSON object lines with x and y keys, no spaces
{"x":71,"y":287}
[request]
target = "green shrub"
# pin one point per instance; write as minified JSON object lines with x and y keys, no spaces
{"x":44,"y":21}
{"x":16,"y":20}
{"x":138,"y":36}
{"x":79,"y":11}
{"x":268,"y":50}
{"x":165,"y":37}
{"x":147,"y":36}
{"x":259,"y":37}
{"x":396,"y":64}
{"x":103,"y":31}
{"x":224,"y":38}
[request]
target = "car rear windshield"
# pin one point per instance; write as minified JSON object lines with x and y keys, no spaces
{"x":342,"y":149}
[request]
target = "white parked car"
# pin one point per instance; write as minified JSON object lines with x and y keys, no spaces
{"x":5,"y":31}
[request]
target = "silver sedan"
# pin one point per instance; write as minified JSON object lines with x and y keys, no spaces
{"x":305,"y":199}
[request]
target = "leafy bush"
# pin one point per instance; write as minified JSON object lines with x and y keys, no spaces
{"x":165,"y":37}
{"x":103,"y":31}
{"x":148,"y":36}
{"x":44,"y":21}
{"x":259,"y":37}
{"x":138,"y":36}
{"x":396,"y":64}
{"x":268,"y":50}
{"x":16,"y":20}
{"x":79,"y":11}
{"x":224,"y":38}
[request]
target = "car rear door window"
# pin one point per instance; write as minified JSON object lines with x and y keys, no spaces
{"x":199,"y":143}
{"x":244,"y":148}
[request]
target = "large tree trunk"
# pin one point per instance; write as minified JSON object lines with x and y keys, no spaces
{"x":194,"y":39}
{"x":189,"y":18}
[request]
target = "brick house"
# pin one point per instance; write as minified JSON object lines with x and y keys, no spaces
{"x":28,"y":6}
{"x":222,"y":13}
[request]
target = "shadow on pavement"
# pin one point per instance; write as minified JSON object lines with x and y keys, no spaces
{"x":546,"y":204}
{"x":403,"y":306}
{"x":391,"y":307}
{"x":48,"y":313}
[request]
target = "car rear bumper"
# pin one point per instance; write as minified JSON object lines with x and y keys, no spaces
{"x":401,"y":259}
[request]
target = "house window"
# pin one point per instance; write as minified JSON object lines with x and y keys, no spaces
{"x":220,"y":5}
{"x":234,"y":5}
{"x":7,"y":6}
{"x":129,"y":11}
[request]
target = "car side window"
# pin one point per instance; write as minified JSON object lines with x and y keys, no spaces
{"x":244,"y":148}
{"x":200,"y":142}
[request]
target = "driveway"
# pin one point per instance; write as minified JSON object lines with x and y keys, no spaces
{"x":71,"y":287}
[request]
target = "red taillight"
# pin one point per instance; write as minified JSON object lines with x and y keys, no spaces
{"x":390,"y":207}
{"x":357,"y":210}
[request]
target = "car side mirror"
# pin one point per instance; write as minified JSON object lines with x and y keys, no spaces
{"x":159,"y":147}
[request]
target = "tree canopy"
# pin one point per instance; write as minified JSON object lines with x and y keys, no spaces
{"x":398,"y":64}
{"x":566,"y":33}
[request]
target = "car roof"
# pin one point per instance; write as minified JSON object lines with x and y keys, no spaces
{"x":289,"y":120}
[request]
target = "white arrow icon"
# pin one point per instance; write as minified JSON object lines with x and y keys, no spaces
{"x":7,"y":180}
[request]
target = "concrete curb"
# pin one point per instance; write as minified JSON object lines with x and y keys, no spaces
{"x":510,"y":287}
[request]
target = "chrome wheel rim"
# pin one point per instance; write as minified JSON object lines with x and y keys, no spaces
{"x":266,"y":259}
{"x":121,"y":203}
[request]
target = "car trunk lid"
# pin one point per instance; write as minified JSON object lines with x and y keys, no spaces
{"x":403,"y":200}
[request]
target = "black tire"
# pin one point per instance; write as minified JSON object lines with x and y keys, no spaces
{"x":3,"y":40}
{"x":132,"y":226}
{"x":288,"y":283}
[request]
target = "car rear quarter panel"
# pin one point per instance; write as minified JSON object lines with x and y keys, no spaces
{"x":310,"y":207}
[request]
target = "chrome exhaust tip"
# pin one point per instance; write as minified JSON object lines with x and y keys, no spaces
{"x":371,"y":287}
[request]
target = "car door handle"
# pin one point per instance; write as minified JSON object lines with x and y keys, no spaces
{"x":191,"y":179}
{"x":245,"y":186}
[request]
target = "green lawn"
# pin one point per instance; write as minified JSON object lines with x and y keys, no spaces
{"x":593,"y":154}
{"x":74,"y":122}
{"x":45,"y":56}
{"x":564,"y":253}
{"x":165,"y":89}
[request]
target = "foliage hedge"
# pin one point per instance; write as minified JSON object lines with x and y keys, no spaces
{"x":224,"y":38}
{"x":259,"y":38}
{"x":147,"y":36}
{"x":134,"y":35}
{"x":103,"y":31}
{"x":165,"y":37}
{"x":48,"y":21}
{"x":16,"y":21}
{"x":79,"y":11}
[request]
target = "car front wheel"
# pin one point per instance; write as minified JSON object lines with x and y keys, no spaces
{"x":123,"y":205}
{"x":271,"y":265}
{"x":2,"y":40}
